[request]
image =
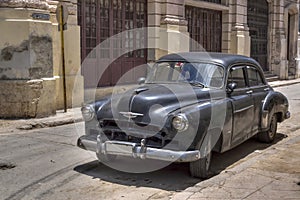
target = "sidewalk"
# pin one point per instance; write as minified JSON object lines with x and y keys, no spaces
{"x":273,"y":173}
{"x":281,"y":83}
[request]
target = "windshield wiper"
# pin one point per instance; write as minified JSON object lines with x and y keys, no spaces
{"x":197,"y":84}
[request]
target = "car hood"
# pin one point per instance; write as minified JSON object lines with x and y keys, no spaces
{"x":152,"y":103}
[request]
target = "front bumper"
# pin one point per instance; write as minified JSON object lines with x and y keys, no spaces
{"x":135,"y":150}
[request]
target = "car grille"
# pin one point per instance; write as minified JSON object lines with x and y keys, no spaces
{"x":133,"y":132}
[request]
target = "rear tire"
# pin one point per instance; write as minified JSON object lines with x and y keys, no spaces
{"x":269,"y":135}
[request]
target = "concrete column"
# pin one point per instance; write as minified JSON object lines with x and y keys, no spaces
{"x":298,"y":58}
{"x":240,"y":39}
{"x":279,"y":63}
{"x":154,"y":17}
{"x":291,"y":21}
{"x":29,"y":59}
{"x":27,"y":84}
{"x":171,"y":34}
{"x":298,"y":48}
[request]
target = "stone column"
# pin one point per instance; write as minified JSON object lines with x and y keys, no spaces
{"x":26,"y":65}
{"x":240,"y":39}
{"x":171,"y":35}
{"x":279,"y":63}
{"x":29,"y":59}
{"x":154,"y":17}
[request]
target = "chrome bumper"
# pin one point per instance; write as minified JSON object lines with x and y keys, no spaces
{"x":135,"y":150}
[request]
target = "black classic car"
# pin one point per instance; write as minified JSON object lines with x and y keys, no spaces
{"x":190,"y":105}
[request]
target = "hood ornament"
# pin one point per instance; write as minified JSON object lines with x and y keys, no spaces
{"x":131,"y":115}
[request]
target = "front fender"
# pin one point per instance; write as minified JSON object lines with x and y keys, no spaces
{"x":205,"y":119}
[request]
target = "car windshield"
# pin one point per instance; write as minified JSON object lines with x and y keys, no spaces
{"x":197,"y":74}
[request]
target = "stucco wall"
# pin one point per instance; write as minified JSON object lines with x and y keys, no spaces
{"x":33,"y":98}
{"x":30,"y":59}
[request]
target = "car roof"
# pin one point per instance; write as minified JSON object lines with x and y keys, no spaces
{"x":220,"y":58}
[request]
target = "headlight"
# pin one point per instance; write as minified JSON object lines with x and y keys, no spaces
{"x":180,"y":122}
{"x":88,"y":112}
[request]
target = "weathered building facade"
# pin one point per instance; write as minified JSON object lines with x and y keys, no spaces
{"x":30,"y":62}
{"x":266,"y":30}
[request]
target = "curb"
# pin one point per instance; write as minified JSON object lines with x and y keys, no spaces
{"x":45,"y":124}
{"x":61,"y":118}
{"x":275,"y":85}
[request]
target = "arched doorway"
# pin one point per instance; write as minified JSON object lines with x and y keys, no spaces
{"x":258,"y":20}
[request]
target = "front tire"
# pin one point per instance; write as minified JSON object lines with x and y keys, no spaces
{"x":269,"y":135}
{"x":201,"y":167}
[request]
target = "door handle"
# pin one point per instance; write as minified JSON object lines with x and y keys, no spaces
{"x":266,"y":89}
{"x":249,"y":92}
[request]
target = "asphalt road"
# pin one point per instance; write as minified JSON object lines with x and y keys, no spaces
{"x":46,"y":164}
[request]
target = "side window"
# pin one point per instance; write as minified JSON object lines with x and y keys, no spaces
{"x":254,"y":77}
{"x":236,"y":75}
{"x":260,"y":79}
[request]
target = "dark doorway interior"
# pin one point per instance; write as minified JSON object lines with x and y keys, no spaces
{"x":205,"y":28}
{"x":258,"y":20}
{"x":102,"y":19}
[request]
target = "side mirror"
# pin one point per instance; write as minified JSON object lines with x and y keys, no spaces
{"x":231,"y":87}
{"x":141,"y":80}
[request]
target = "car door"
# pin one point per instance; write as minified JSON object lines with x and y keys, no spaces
{"x":259,"y":90}
{"x":242,"y":104}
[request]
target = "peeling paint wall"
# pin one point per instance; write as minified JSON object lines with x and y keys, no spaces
{"x":29,"y":99}
{"x":32,"y":59}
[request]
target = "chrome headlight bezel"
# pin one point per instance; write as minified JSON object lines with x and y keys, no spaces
{"x":88,"y":112}
{"x":180,"y":122}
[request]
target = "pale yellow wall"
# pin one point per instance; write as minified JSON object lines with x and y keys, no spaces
{"x":74,"y":79}
{"x":21,"y":35}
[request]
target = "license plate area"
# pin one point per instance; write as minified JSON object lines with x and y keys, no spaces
{"x":119,"y":148}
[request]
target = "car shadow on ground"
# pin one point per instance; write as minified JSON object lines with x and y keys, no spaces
{"x":174,"y":177}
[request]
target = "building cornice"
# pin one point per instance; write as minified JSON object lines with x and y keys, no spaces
{"x":36,"y":4}
{"x":172,"y":20}
{"x":49,"y":5}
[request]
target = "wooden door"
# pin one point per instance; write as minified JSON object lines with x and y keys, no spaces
{"x":205,"y":28}
{"x":258,"y":26}
{"x":102,"y":19}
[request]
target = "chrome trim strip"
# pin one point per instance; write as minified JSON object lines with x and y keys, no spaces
{"x":131,"y":115}
{"x":243,"y":109}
